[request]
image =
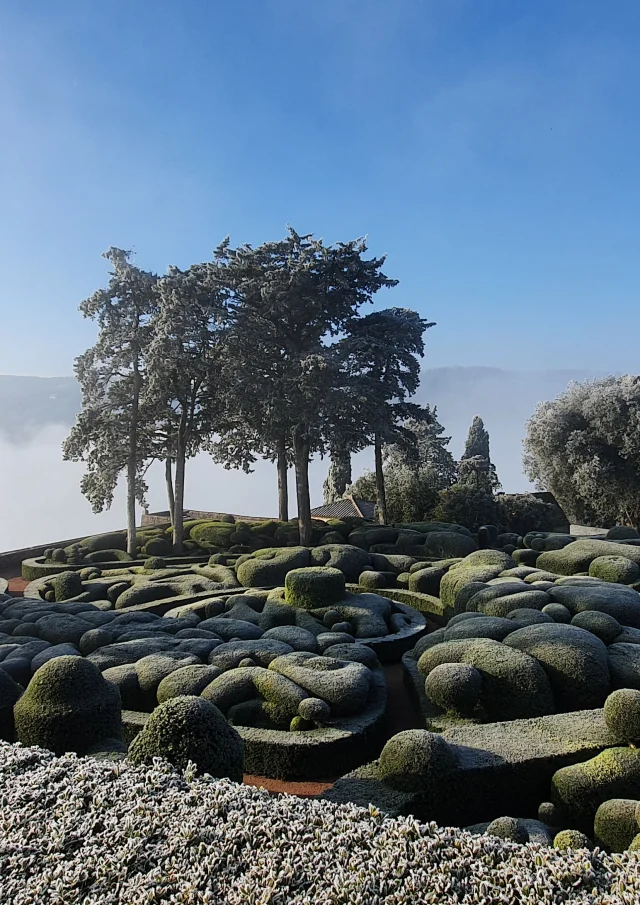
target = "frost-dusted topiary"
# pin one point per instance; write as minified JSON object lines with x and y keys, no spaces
{"x":571,"y":839}
{"x":189,"y":729}
{"x":314,"y":587}
{"x":599,"y":624}
{"x":155,"y":562}
{"x":622,"y":532}
{"x":349,"y":559}
{"x":618,"y":569}
{"x":509,"y":828}
{"x":454,"y":686}
{"x":67,"y":585}
{"x":622,"y":713}
{"x":268,"y":568}
{"x":68,"y":706}
{"x":615,"y":824}
{"x":582,"y":788}
{"x":343,"y":685}
{"x":416,"y":760}
{"x":315,"y":710}
{"x":427,"y":581}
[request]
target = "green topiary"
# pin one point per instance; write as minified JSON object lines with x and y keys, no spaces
{"x":59,"y":555}
{"x":454,"y":687}
{"x":615,"y":824}
{"x":67,"y":585}
{"x":268,"y":568}
{"x":582,"y":788}
{"x":115,"y":541}
{"x":157,"y":546}
{"x":618,"y":569}
{"x":349,"y":559}
{"x":622,"y":713}
{"x":68,"y":706}
{"x":622,"y":532}
{"x":212,"y":534}
{"x":189,"y":729}
{"x":314,"y":587}
{"x":509,"y":828}
{"x":571,"y":839}
{"x":599,"y":624}
{"x":416,"y":760}
{"x":373,"y":581}
{"x":154,"y":562}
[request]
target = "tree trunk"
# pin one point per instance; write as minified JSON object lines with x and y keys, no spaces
{"x":381,"y":499}
{"x":178,"y":505}
{"x":132,"y":464}
{"x":170,"y":495}
{"x":283,"y":489}
{"x":301,"y":451}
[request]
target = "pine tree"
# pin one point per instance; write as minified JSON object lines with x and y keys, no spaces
{"x":476,"y":468}
{"x":477,"y":440}
{"x":113,"y":432}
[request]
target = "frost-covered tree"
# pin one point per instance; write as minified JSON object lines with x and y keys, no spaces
{"x":476,"y":470}
{"x":339,"y":474}
{"x":415,"y":470}
{"x":112,"y":433}
{"x":185,"y":364}
{"x":382,"y":352}
{"x":584,"y":447}
{"x":477,"y":440}
{"x":288,"y":299}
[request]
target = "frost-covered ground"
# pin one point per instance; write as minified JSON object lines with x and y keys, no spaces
{"x":86,"y":831}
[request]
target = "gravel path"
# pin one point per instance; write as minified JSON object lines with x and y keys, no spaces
{"x":87,"y":831}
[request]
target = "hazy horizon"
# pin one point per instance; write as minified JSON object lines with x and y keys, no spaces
{"x":43,"y":493}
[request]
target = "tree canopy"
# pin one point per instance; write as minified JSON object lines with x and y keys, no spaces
{"x":584,"y":447}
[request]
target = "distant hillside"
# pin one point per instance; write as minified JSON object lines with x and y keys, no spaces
{"x":504,"y":399}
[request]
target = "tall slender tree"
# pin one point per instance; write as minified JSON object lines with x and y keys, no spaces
{"x":111,"y":433}
{"x":288,"y":299}
{"x":382,"y":351}
{"x":476,"y":468}
{"x":185,"y":362}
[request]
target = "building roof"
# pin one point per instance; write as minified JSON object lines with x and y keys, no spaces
{"x":348,"y":507}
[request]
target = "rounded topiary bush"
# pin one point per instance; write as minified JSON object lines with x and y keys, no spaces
{"x":615,"y":824}
{"x":415,"y":760}
{"x":67,"y":585}
{"x":571,"y":839}
{"x":190,"y":729}
{"x":509,"y":828}
{"x":581,"y":788}
{"x":154,"y":562}
{"x":617,"y":569}
{"x":454,"y":686}
{"x":314,"y":587}
{"x":602,"y":625}
{"x":622,"y":713}
{"x":157,"y":546}
{"x":622,"y":532}
{"x":68,"y":706}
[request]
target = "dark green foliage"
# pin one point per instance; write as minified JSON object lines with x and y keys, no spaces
{"x":10,"y":693}
{"x":427,"y":581}
{"x":67,"y":585}
{"x":467,"y":506}
{"x":212,"y":534}
{"x":190,"y":729}
{"x":622,"y":532}
{"x":523,"y":512}
{"x":68,"y":706}
{"x":154,"y":562}
{"x":602,"y":625}
{"x":349,"y":559}
{"x":59,"y":555}
{"x":106,"y":556}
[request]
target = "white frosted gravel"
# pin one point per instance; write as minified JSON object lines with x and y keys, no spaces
{"x":76,"y":830}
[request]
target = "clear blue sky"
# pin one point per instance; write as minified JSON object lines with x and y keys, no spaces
{"x":490,"y":147}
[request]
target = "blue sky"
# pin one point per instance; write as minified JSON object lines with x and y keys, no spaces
{"x":490,"y":149}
